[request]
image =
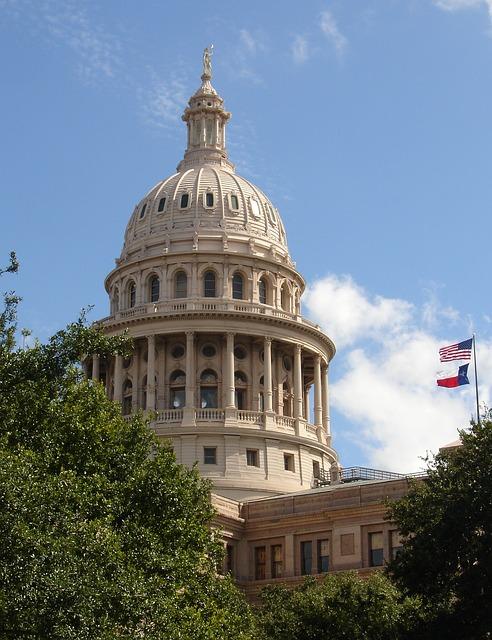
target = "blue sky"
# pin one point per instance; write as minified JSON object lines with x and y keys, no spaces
{"x":366,"y":122}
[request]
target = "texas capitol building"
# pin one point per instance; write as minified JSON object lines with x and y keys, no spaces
{"x":224,"y":361}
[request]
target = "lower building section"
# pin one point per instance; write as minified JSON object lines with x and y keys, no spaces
{"x":286,"y":537}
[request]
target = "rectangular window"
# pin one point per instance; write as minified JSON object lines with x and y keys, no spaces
{"x":288,"y":462}
{"x":376,"y":558}
{"x":185,"y":198}
{"x":234,"y":202}
{"x":306,"y":557}
{"x":208,"y":397}
{"x":323,"y":556}
{"x":177,"y":398}
{"x":209,"y":455}
{"x":252,"y":458}
{"x":260,"y":563}
{"x":209,"y":199}
{"x":277,"y":561}
{"x":316,"y":469}
{"x":395,"y":543}
{"x":162,"y":204}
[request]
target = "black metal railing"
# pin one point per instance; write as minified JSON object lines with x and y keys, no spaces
{"x":355,"y":474}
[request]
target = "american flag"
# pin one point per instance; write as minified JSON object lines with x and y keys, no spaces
{"x":458,"y":351}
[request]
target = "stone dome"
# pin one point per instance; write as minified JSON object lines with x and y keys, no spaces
{"x":205,"y":200}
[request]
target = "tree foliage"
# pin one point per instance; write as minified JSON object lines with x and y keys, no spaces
{"x":103,"y":535}
{"x":447,"y":526}
{"x":342,"y":606}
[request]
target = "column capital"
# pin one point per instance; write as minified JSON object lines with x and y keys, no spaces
{"x":317,"y":358}
{"x":230,"y":334}
{"x":190,"y":335}
{"x":268,"y":339}
{"x":298,"y":348}
{"x":151,"y":338}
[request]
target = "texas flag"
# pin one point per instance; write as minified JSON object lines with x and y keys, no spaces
{"x":460,"y":377}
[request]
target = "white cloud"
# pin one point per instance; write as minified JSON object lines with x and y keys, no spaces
{"x":348,"y":312}
{"x":300,"y":49}
{"x":98,"y":52}
{"x":384,"y":375}
{"x":248,"y":41}
{"x":457,"y":5}
{"x":162,"y":101}
{"x":330,"y":29}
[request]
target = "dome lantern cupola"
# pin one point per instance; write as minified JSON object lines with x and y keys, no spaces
{"x":206,"y":120}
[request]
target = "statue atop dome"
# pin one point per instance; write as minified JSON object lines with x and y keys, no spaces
{"x":207,"y":61}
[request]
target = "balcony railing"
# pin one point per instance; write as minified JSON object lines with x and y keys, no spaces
{"x":171,"y":307}
{"x":246,"y":418}
{"x":356,"y":474}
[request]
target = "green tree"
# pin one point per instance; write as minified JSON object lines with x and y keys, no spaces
{"x":103,"y":535}
{"x":342,"y":606}
{"x":446,"y":523}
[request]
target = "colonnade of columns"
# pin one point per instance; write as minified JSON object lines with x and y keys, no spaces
{"x":300,"y":410}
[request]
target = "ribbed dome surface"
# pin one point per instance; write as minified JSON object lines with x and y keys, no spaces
{"x":200,"y":199}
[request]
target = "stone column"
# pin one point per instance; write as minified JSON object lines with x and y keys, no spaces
{"x":150,"y":373}
{"x":325,"y":399}
{"x":95,"y":367}
{"x":307,"y":407}
{"x":280,"y":387}
{"x":118,"y":378}
{"x":189,"y":410}
{"x":230,"y":388}
{"x":267,"y":376}
{"x":297,"y":381}
{"x":318,"y":407}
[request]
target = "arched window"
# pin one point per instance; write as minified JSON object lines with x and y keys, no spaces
{"x":154,"y":286}
{"x":209,"y":284}
{"x":262,"y":291}
{"x":237,"y":286}
{"x":208,"y":389}
{"x":127,"y":398}
{"x":285,"y":297}
{"x":177,"y":384}
{"x":181,"y":285}
{"x":115,"y":304}
{"x":240,"y":386}
{"x":132,"y":294}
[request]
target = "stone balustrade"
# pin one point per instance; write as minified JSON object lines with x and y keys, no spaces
{"x":171,"y":307}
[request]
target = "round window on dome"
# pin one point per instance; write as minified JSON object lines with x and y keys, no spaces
{"x":178,"y":351}
{"x":239,"y":352}
{"x":209,"y":351}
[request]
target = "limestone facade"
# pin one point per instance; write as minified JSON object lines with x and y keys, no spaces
{"x":224,"y":362}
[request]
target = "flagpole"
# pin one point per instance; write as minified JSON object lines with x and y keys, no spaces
{"x":476,"y":379}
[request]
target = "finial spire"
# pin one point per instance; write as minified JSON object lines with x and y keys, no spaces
{"x":207,"y":63}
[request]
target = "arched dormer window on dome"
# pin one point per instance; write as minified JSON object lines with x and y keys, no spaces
{"x":208,"y":389}
{"x":238,"y":286}
{"x":185,"y":200}
{"x":154,"y":288}
{"x":209,"y":284}
{"x":180,"y":285}
{"x":177,"y":384}
{"x":131,"y":294}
